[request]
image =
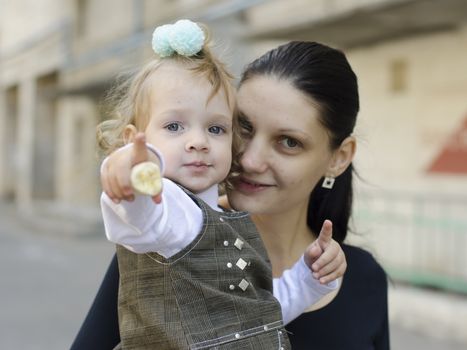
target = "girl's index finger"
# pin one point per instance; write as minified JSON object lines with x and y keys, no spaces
{"x":325,"y":236}
{"x":140,"y":152}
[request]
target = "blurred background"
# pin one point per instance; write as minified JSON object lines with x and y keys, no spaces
{"x":58,"y":58}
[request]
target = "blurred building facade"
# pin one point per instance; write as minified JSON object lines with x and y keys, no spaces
{"x":57,"y":58}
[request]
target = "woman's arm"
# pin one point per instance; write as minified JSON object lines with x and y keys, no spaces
{"x":99,"y":330}
{"x":381,"y":341}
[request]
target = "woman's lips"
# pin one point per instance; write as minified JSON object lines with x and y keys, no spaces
{"x":250,"y":186}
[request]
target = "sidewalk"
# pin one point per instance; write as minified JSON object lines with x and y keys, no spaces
{"x":49,"y":278}
{"x":430,"y":313}
{"x":48,"y":282}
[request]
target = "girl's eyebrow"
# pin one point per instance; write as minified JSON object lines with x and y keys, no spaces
{"x":170,"y":114}
{"x":221,"y":120}
{"x":182,"y":115}
{"x":173,"y":111}
{"x":222,"y":117}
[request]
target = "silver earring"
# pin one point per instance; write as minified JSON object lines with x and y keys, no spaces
{"x":328,"y":182}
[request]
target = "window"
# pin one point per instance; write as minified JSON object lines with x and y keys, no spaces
{"x":398,"y":75}
{"x":81,"y":11}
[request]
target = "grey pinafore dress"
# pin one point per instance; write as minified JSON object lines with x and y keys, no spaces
{"x":214,"y":294}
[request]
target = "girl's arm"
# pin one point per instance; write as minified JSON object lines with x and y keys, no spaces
{"x":143,"y":226}
{"x":139,"y":222}
{"x":314,"y":275}
{"x":297,"y":290}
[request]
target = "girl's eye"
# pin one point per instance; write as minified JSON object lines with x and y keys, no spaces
{"x":216,"y":130}
{"x":174,"y":127}
{"x":290,"y":143}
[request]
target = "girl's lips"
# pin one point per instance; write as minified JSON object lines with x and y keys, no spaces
{"x":197,"y":167}
{"x":249,"y":186}
{"x":197,"y":164}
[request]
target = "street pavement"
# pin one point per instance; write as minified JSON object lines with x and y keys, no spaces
{"x":49,"y":278}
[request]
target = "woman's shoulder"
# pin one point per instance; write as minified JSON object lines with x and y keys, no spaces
{"x":363,"y":265}
{"x":359,"y":255}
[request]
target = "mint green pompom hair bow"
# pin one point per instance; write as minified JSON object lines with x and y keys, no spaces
{"x":184,"y":37}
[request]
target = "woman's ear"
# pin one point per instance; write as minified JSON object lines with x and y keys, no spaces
{"x":129,"y":133}
{"x":342,"y":157}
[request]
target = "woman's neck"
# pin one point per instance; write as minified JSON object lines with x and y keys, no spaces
{"x":285,"y":235}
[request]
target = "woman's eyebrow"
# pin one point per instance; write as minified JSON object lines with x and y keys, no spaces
{"x":296,"y":133}
{"x":292,"y":131}
{"x":241,"y":116}
{"x":244,"y":122}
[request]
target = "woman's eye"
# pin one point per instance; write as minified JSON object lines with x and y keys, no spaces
{"x":216,"y":130}
{"x":289,"y":142}
{"x":174,"y":127}
{"x":245,"y":127}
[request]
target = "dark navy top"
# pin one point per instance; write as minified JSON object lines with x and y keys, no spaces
{"x":357,"y":318}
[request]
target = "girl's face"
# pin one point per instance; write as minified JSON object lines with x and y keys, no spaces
{"x":193,"y":132}
{"x":286,"y":149}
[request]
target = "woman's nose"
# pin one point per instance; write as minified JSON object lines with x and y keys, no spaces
{"x":197,"y":141}
{"x":253,"y":158}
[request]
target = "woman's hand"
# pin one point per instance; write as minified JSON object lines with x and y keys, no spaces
{"x":325,"y":256}
{"x":116,"y":171}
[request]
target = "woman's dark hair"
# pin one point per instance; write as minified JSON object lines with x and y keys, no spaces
{"x":323,"y":74}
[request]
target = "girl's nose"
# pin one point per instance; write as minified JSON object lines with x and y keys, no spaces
{"x":197,"y":141}
{"x":254,"y":157}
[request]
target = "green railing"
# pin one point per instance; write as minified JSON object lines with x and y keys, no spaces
{"x":418,"y":238}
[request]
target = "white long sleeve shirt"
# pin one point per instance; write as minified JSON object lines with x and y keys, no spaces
{"x":167,"y":228}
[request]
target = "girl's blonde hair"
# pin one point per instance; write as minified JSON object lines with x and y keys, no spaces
{"x":128,"y":102}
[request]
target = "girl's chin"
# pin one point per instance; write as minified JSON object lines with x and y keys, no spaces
{"x":197,"y":186}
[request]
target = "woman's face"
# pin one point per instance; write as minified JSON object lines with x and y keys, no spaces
{"x":286,"y":149}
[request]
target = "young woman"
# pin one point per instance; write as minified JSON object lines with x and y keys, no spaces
{"x":297,"y":107}
{"x":297,"y":110}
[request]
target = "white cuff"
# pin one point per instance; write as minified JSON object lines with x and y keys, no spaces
{"x":158,"y":155}
{"x":306,"y":275}
{"x":150,"y":147}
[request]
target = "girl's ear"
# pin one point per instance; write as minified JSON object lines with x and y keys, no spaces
{"x":342,"y":157}
{"x":129,"y":133}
